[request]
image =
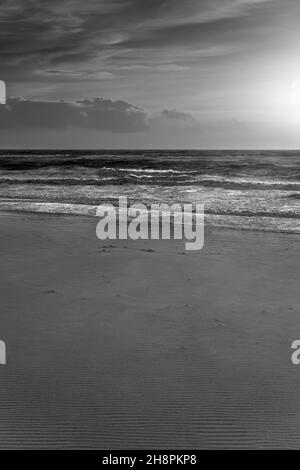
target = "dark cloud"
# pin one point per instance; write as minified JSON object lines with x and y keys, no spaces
{"x":114,"y":116}
{"x":173,"y":118}
{"x":38,"y":35}
{"x":98,"y":114}
{"x":177,"y":115}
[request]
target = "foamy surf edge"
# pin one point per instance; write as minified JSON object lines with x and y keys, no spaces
{"x":238,"y":222}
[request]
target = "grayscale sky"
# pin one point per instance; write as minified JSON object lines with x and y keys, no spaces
{"x":150,"y":73}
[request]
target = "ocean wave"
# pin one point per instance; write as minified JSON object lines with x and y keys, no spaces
{"x":89,"y":209}
{"x":145,"y":170}
{"x":59,"y":181}
{"x":182,"y":179}
{"x":244,"y":186}
{"x":181,"y":175}
{"x":245,"y":182}
{"x":262,"y":224}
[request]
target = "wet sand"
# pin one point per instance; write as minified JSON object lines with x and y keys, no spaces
{"x":140,"y":344}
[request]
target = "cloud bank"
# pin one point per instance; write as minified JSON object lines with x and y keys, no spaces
{"x":71,"y":38}
{"x":99,"y":114}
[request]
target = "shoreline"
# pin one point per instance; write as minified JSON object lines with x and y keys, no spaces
{"x":208,"y":225}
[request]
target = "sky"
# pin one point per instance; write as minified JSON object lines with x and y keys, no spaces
{"x":150,"y":73}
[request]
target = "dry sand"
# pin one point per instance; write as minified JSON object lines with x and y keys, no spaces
{"x":143,"y":345}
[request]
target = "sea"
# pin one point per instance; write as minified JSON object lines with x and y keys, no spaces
{"x":251,"y":190}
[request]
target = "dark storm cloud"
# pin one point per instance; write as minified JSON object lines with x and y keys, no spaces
{"x":97,"y":114}
{"x":37,"y":35}
{"x":174,"y":118}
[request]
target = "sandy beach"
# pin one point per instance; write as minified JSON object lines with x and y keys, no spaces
{"x":140,"y":344}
